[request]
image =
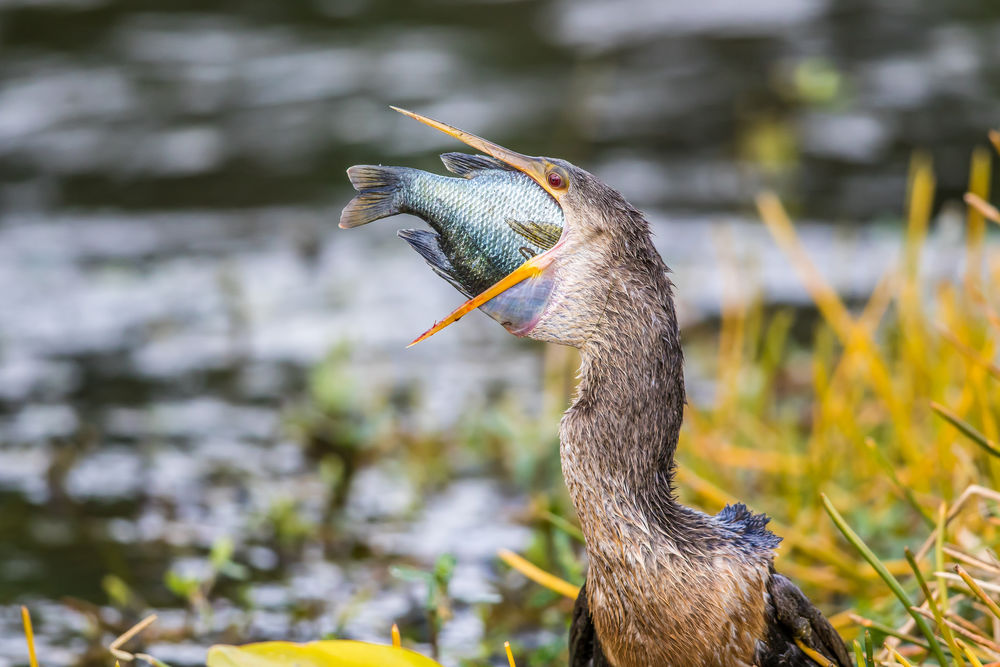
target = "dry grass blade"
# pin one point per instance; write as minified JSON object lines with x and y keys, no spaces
{"x":968,"y":559}
{"x":980,"y":299}
{"x":815,"y":655}
{"x":969,"y":353}
{"x":939,"y":558}
{"x":510,"y":654}
{"x":968,"y":625}
{"x":397,"y":640}
{"x":898,"y":656}
{"x":886,"y":576}
{"x":833,"y":310}
{"x":971,"y":491}
{"x":995,"y":588}
{"x":995,"y":139}
{"x":155,"y":662}
{"x":889,"y":631}
{"x":986,"y":209}
{"x":975,"y":229}
{"x":935,"y":612}
{"x":29,"y":636}
{"x":890,"y":472}
{"x":970,"y":656}
{"x":115,"y":647}
{"x":985,"y":642}
{"x":538,"y":575}
{"x":978,"y":590}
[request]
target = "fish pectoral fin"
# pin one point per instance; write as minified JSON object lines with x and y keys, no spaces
{"x":542,"y":234}
{"x":466,"y":166}
{"x":428,"y":245}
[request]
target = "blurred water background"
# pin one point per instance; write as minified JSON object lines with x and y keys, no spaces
{"x":171,"y":274}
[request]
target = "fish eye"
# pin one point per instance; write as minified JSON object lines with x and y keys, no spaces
{"x":556,"y":180}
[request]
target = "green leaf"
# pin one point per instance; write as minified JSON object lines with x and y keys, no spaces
{"x":564,"y":525}
{"x":222,"y":552}
{"x":886,"y":576}
{"x":967,"y":429}
{"x":117,"y":590}
{"x":859,"y":656}
{"x":155,"y":662}
{"x":407,"y":573}
{"x":180,"y":586}
{"x":890,"y":472}
{"x":444,"y":567}
{"x":331,"y":653}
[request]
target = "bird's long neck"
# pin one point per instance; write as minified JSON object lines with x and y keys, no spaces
{"x":665,"y":585}
{"x":622,"y":430}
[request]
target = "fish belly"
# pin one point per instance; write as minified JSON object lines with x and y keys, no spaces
{"x":471,"y":216}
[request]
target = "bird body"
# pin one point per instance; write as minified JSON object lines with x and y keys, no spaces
{"x":667,"y":584}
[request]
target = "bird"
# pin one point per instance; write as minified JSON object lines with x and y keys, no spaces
{"x":666,"y":584}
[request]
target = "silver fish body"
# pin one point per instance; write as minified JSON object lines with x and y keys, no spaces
{"x":486,"y":222}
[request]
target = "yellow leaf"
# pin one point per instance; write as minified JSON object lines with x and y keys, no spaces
{"x":330,"y":653}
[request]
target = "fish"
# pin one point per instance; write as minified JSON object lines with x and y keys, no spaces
{"x":487,"y":220}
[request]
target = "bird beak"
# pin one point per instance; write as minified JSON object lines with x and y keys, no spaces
{"x":517,"y":300}
{"x":535,"y":167}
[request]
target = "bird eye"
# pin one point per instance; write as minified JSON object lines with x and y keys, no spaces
{"x":556,"y":180}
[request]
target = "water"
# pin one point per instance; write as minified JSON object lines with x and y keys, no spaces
{"x":170,"y":178}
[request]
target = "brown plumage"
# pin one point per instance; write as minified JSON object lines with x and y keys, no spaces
{"x":667,"y":585}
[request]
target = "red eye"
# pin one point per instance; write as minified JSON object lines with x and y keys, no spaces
{"x":555,"y":180}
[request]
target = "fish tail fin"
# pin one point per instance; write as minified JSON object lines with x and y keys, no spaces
{"x":428,"y":244}
{"x":379,"y":194}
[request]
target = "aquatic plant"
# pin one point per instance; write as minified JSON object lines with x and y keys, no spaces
{"x":437,"y":604}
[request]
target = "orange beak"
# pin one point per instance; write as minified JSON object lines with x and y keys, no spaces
{"x":536,"y":168}
{"x":530,"y":269}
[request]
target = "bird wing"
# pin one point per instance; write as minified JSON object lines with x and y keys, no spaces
{"x":584,"y":647}
{"x":791,"y":616}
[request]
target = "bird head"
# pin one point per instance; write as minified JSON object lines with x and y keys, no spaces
{"x":559,"y":295}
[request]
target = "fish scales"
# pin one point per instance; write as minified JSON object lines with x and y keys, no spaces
{"x":471,"y":217}
{"x":483,"y":220}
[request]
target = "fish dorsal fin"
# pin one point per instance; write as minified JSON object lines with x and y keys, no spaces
{"x":542,"y":234}
{"x":466,"y":166}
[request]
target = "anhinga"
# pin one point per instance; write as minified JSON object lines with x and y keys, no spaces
{"x":667,"y":584}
